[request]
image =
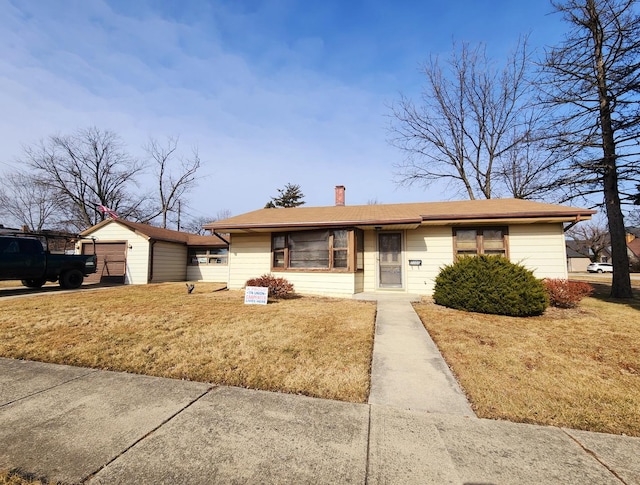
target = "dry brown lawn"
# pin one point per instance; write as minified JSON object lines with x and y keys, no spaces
{"x":309,"y":345}
{"x":575,"y":368}
{"x":17,"y":478}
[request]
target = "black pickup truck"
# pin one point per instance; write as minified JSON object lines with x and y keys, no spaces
{"x":35,"y":258}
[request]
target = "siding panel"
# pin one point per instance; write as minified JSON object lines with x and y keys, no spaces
{"x":540,"y":248}
{"x":169,"y":262}
{"x":249,"y":257}
{"x":432,"y":245}
{"x":215,"y":273}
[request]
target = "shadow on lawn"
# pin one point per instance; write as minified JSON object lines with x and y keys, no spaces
{"x":20,"y":291}
{"x":602,"y":291}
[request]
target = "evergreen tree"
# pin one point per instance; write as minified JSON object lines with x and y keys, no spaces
{"x":290,"y":196}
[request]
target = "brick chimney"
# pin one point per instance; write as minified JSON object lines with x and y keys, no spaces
{"x":340,"y":194}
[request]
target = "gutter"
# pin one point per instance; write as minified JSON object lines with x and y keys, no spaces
{"x":578,"y":219}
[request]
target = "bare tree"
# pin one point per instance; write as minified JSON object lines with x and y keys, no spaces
{"x":28,"y":201}
{"x":593,"y":80}
{"x":593,"y":236}
{"x":88,"y":169}
{"x":195,"y":225}
{"x":471,"y":126}
{"x":171,"y":186}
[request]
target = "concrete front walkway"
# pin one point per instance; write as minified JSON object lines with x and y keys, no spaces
{"x":408,"y":371}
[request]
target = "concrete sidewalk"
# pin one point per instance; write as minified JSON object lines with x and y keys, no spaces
{"x":74,"y":424}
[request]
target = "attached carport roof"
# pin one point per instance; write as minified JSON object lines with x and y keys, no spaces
{"x":402,"y":216}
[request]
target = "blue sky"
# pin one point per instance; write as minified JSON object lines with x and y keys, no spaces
{"x":270,"y":92}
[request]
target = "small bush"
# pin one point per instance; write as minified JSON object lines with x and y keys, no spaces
{"x":565,"y":293}
{"x":490,"y":284}
{"x":278,"y":287}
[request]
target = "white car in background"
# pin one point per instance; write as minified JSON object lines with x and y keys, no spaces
{"x":600,"y":268}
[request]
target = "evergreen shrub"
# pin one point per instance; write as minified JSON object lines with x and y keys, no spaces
{"x":278,"y":287}
{"x":490,"y":284}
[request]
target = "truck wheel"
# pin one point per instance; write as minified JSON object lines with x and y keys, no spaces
{"x":37,"y":283}
{"x":71,"y":279}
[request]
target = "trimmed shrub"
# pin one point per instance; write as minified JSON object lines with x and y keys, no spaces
{"x":490,"y":284}
{"x":278,"y":287}
{"x":565,"y":293}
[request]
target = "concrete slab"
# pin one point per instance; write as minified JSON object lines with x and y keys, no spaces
{"x":408,"y":371}
{"x":387,"y":296}
{"x":621,"y":454}
{"x":497,"y":452}
{"x":70,"y":431}
{"x":401,"y":452}
{"x":236,"y":435}
{"x":21,"y":378}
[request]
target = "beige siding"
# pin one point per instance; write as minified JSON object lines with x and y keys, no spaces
{"x":319,"y":283}
{"x":540,"y":248}
{"x":370,"y":261}
{"x":137,"y":267}
{"x":218,"y":273}
{"x":169,"y":262}
{"x":249,"y":257}
{"x":432,"y":245}
{"x":359,"y":282}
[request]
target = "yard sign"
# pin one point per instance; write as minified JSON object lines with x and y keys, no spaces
{"x":256,"y":295}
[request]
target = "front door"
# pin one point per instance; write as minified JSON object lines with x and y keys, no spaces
{"x":390,"y":260}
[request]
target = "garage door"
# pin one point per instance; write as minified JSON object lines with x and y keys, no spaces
{"x":111,"y":262}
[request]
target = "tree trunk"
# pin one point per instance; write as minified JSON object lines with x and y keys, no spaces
{"x":621,"y":283}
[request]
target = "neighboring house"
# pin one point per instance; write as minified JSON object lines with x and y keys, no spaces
{"x":633,"y":250}
{"x":344,"y":250}
{"x":578,"y":256}
{"x":134,"y":253}
{"x":632,"y":233}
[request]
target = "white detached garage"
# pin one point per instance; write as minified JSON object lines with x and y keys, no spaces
{"x":135,"y":253}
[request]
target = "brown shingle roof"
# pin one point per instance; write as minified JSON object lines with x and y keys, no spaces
{"x":634,"y":246}
{"x":388,"y":214}
{"x":160,"y":234}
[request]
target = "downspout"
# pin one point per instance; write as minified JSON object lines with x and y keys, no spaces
{"x":150,"y":264}
{"x":573,"y":223}
{"x":221,"y":238}
{"x":228,"y":255}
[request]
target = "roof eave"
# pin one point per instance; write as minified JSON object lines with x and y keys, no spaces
{"x":505,"y":220}
{"x":310,"y":225}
